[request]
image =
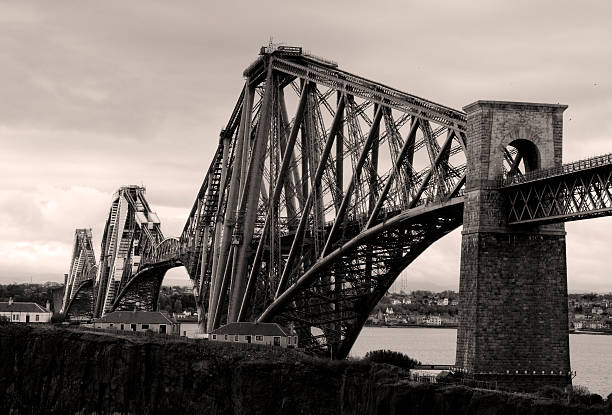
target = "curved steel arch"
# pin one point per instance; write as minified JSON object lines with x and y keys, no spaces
{"x":339,"y":308}
{"x":141,"y":292}
{"x":81,"y":305}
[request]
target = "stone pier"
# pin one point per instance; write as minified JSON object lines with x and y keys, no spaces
{"x":513,"y":286}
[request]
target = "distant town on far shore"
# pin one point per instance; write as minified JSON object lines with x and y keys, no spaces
{"x":587,"y":312}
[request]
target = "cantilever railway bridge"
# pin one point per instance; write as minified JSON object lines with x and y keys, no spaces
{"x":324,"y":186}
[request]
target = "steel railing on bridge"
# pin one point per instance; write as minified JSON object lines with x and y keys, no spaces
{"x":575,"y":166}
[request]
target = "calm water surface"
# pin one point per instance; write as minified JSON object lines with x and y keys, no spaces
{"x":591,"y":355}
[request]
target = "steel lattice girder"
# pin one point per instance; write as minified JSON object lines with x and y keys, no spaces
{"x":284,"y":190}
{"x":81,"y":305}
{"x":284,"y":194}
{"x":82,"y":266}
{"x":565,"y":197}
{"x":338,"y":292}
{"x":131,"y":234}
{"x":142,"y":291}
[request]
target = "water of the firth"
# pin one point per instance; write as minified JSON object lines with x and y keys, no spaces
{"x":591,"y":355}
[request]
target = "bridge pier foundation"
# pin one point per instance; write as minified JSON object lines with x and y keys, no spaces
{"x":513,"y":286}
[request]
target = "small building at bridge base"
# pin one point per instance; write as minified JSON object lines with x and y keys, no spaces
{"x":137,"y":321}
{"x":270,"y":334}
{"x":17,"y":312}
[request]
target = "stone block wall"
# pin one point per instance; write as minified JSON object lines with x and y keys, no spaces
{"x":513,"y":284}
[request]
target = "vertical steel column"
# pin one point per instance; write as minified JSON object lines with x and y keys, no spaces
{"x":304,"y":146}
{"x":339,"y":158}
{"x":289,"y":185}
{"x":373,"y":185}
{"x":223,"y":234}
{"x":250,"y":199}
{"x":225,"y":142}
{"x":285,"y":165}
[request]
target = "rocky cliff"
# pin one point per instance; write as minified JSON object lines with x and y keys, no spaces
{"x":49,"y":370}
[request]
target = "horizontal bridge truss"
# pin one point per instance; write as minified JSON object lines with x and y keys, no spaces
{"x":574,"y":191}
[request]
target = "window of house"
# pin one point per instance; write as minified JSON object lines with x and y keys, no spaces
{"x":110,"y":325}
{"x":15,"y":317}
{"x":277,"y":340}
{"x":215,"y":337}
{"x":289,"y":340}
{"x":259,"y":338}
{"x":133,"y":326}
{"x":122,"y":327}
{"x":226,"y":337}
{"x":37,"y":317}
{"x":236,"y":338}
{"x":145,"y":326}
{"x":295,"y":340}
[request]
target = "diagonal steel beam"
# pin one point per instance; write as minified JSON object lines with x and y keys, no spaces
{"x":356,"y":174}
{"x":299,"y":234}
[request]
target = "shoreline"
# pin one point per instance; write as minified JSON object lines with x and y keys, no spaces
{"x":595,"y":332}
{"x":416,"y":326}
{"x":411,"y":326}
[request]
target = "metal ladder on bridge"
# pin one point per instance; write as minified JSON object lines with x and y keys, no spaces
{"x":209,"y":209}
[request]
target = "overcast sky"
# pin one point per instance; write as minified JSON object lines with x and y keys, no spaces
{"x":95,"y":95}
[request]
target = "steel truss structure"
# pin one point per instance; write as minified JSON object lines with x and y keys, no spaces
{"x":132,"y":234}
{"x":324,"y":186}
{"x":574,"y":191}
{"x":141,"y":292}
{"x":82,"y":272}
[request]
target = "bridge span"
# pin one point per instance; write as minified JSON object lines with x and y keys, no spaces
{"x":324,"y":186}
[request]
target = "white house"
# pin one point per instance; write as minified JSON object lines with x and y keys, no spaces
{"x":25,"y":312}
{"x":189,"y":327}
{"x":432,"y":320}
{"x":155,"y":321}
{"x":258,"y":333}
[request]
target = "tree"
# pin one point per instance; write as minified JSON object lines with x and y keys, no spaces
{"x":178,"y":306}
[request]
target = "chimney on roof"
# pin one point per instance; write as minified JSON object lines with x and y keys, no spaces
{"x":10,"y":300}
{"x":48,"y":306}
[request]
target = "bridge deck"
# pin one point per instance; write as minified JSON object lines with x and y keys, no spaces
{"x":565,"y":169}
{"x":573,"y":191}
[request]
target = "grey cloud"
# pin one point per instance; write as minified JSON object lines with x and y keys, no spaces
{"x":100,"y":94}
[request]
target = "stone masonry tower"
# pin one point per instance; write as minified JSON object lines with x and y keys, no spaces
{"x":513,"y":286}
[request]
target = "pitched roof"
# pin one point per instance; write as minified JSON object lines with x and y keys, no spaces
{"x":260,"y":329}
{"x":136,"y":317}
{"x":21,"y":308}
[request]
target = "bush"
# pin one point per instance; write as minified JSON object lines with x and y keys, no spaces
{"x":392,"y":358}
{"x":553,"y":392}
{"x":4,"y":320}
{"x":581,"y":395}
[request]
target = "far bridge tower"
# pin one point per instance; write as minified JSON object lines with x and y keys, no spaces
{"x":513,"y":285}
